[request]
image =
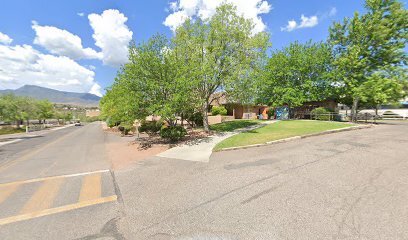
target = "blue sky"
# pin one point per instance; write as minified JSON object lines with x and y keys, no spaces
{"x":78,"y":45}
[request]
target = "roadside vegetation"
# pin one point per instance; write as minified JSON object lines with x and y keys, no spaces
{"x":279,"y":130}
{"x":9,"y":130}
{"x":18,"y":111}
{"x":362,"y":64}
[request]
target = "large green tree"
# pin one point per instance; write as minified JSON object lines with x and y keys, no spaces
{"x":150,"y":84}
{"x":297,"y":74}
{"x":369,"y":49}
{"x":218,"y":54}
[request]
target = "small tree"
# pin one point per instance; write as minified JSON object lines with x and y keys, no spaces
{"x":45,"y":110}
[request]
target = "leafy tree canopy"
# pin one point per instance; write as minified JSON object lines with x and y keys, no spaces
{"x":297,"y":74}
{"x":369,"y":50}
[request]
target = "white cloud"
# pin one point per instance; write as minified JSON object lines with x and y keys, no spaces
{"x":306,"y":22}
{"x":5,"y":39}
{"x":204,"y":9}
{"x":81,"y":14}
{"x":22,"y":64}
{"x":112,"y":35}
{"x":176,"y":19}
{"x":63,"y":43}
{"x":96,"y":89}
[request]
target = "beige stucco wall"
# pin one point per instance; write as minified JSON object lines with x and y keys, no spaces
{"x":214,"y":119}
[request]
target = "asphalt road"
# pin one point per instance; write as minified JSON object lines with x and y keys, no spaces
{"x":349,"y":185}
{"x":57,"y":185}
{"x":65,"y":151}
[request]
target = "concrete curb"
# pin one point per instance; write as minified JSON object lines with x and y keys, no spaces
{"x":298,"y":137}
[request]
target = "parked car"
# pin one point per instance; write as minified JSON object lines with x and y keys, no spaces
{"x":78,"y":123}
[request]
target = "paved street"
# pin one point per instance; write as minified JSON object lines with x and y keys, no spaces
{"x":56,"y":185}
{"x":349,"y":185}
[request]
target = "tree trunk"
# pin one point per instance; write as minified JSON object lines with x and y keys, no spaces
{"x":354,"y":109}
{"x":18,"y":123}
{"x":205,"y":116}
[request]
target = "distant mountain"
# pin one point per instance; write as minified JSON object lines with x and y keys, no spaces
{"x":55,"y":96}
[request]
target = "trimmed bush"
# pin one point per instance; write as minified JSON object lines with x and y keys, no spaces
{"x":173,"y":133}
{"x":320,"y":114}
{"x":219,"y":111}
{"x":150,"y":127}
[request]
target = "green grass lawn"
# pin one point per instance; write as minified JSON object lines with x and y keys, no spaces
{"x":233,"y":125}
{"x":11,"y":130}
{"x":279,"y":130}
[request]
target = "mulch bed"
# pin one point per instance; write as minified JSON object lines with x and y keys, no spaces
{"x":146,"y":141}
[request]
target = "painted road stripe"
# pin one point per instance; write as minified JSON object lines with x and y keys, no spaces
{"x":6,"y":191}
{"x":50,"y":211}
{"x":91,"y":187}
{"x":44,"y":196}
{"x":53,"y":177}
{"x":8,"y":142}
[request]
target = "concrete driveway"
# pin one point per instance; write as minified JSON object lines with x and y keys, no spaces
{"x":349,"y":185}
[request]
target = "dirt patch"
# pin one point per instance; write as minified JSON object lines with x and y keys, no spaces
{"x":125,"y":153}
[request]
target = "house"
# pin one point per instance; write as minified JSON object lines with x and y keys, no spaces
{"x":237,"y":110}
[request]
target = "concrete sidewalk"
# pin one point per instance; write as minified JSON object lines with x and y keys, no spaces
{"x":201,"y":150}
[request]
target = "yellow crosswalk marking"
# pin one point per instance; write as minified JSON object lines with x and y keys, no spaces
{"x":61,"y":209}
{"x":49,"y":178}
{"x":91,"y":187}
{"x":6,"y":191}
{"x":44,"y":196}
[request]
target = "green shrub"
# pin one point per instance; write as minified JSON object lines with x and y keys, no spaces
{"x":150,"y":127}
{"x":219,"y":111}
{"x":111,"y":123}
{"x":320,"y":114}
{"x":271,"y":113}
{"x":125,"y":128}
{"x":173,"y":133}
{"x":196,"y":119}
